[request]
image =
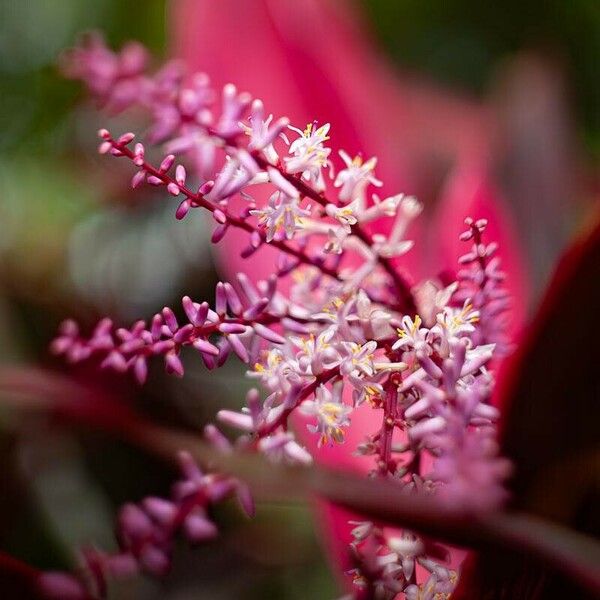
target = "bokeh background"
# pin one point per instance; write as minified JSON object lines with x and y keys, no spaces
{"x":75,"y":242}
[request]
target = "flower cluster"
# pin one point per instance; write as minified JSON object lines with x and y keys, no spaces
{"x":352,"y":331}
{"x":386,"y":564}
{"x":480,"y":281}
{"x":146,"y":531}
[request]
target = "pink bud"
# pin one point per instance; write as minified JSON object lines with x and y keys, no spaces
{"x":138,"y":178}
{"x":190,"y":310}
{"x":154,"y":560}
{"x":104,"y":147}
{"x":140,"y":370}
{"x":209,"y":361}
{"x":255,"y":239}
{"x":256,"y":309}
{"x":232,"y":328}
{"x":253,"y":402}
{"x":203,"y":311}
{"x":121,"y":565}
{"x":245,"y":499}
{"x":199,"y":529}
{"x":205,"y":347}
{"x":220,"y":488}
{"x":268,"y":334}
{"x":116,"y":361}
{"x":248,"y":251}
{"x":429,"y":426}
{"x":173,"y":189}
{"x":219,"y":216}
{"x":206,"y":187}
{"x":238,"y":347}
{"x":60,"y":345}
{"x":219,"y":233}
{"x":233,"y":300}
{"x":183,"y":209}
{"x":163,"y":346}
{"x":69,"y":327}
{"x":134,"y":522}
{"x":163,"y":511}
{"x":235,"y":419}
{"x":248,"y":288}
{"x":183,"y":334}
{"x":189,"y":467}
{"x":220,"y":299}
{"x":155,"y":329}
{"x":170,"y":319}
{"x":126,"y":138}
{"x":180,"y":175}
{"x":173,"y":364}
{"x":167,"y":163}
{"x":217,"y":439}
{"x":61,"y":586}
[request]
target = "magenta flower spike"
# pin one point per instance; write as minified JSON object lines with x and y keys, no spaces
{"x":395,"y":369}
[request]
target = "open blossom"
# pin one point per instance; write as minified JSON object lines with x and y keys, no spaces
{"x":410,"y":333}
{"x":263,"y":132}
{"x":365,"y":390}
{"x":374,"y":320}
{"x":387,"y":562}
{"x":351,"y":329}
{"x":357,"y":359}
{"x":279,"y":371}
{"x":431,"y":298}
{"x":345,"y":215}
{"x":355,"y":177}
{"x":282,"y":214}
{"x":458,"y":321}
{"x":316,"y":353}
{"x":282,"y":447}
{"x":437,"y":587}
{"x":331,"y":413}
{"x":309,"y":155}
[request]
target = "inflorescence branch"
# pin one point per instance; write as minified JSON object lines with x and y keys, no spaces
{"x":350,"y":332}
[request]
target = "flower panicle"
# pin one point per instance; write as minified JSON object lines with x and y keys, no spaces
{"x":146,"y":532}
{"x":385,"y":564}
{"x":239,"y":323}
{"x":197,"y":128}
{"x":352,"y":332}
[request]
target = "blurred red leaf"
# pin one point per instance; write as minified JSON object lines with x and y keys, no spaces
{"x":17,"y":579}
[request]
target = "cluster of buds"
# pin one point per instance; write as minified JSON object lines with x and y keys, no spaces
{"x":353,"y":330}
{"x":146,"y":532}
{"x":480,"y":281}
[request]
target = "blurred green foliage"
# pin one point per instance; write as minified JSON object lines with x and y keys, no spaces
{"x":34,"y":100}
{"x":462,"y":42}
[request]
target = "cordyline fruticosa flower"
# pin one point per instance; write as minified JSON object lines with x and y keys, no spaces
{"x":353,"y":331}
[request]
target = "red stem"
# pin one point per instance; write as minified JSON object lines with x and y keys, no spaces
{"x":403,"y":288}
{"x":200,"y":200}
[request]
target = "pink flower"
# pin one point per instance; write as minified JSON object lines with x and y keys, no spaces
{"x":295,"y":68}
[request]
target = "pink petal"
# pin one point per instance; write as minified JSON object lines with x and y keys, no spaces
{"x":315,"y":60}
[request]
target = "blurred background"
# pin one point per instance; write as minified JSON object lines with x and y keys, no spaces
{"x":520,"y":78}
